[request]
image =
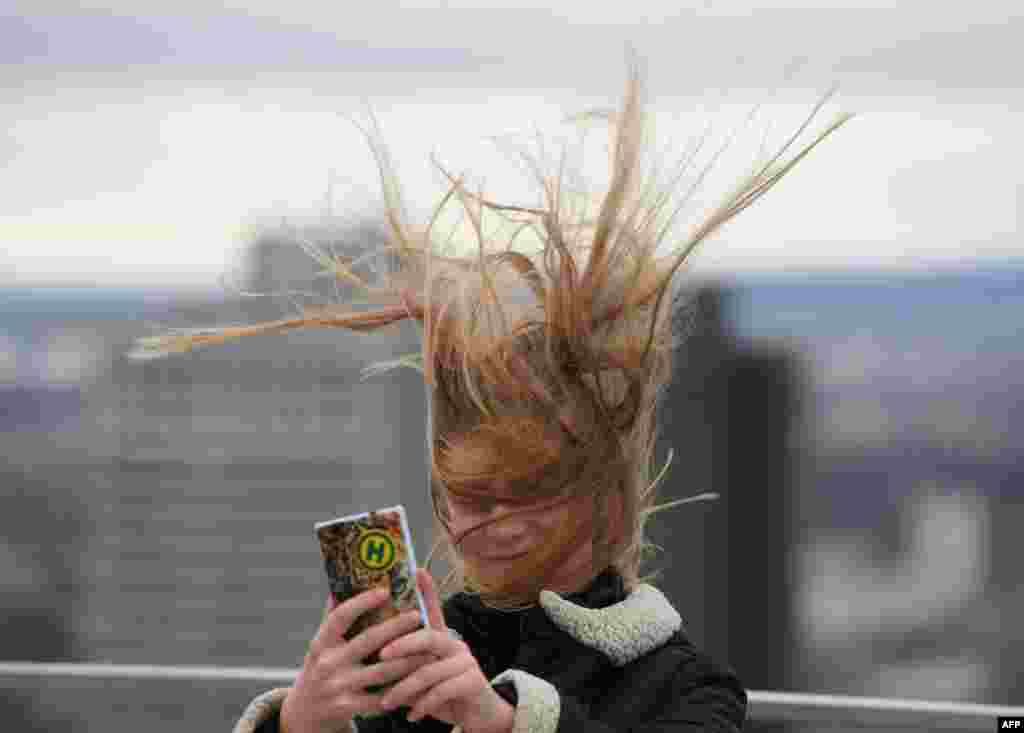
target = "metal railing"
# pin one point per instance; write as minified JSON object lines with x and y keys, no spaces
{"x":763,"y":706}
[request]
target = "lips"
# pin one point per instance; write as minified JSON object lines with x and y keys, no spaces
{"x":505,"y":558}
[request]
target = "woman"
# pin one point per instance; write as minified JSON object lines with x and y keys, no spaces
{"x":544,"y":372}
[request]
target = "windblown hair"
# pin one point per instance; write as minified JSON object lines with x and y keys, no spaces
{"x":544,"y":368}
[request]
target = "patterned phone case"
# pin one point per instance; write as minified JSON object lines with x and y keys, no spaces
{"x":366,"y":551}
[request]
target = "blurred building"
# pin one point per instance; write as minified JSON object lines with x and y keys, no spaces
{"x":729,"y":418}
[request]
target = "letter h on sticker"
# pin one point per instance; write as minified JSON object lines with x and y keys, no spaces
{"x":375,"y":551}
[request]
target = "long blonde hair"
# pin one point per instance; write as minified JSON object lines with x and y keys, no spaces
{"x":544,"y":369}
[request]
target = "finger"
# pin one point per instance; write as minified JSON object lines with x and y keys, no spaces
{"x":424,"y":641}
{"x":454,"y":689}
{"x":371,"y":639}
{"x":385,"y":672}
{"x":332,"y":603}
{"x":424,"y":679}
{"x":338,"y":621}
{"x":433,"y":603}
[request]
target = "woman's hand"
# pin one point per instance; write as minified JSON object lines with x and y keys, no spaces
{"x":453,"y":688}
{"x":330,"y":689}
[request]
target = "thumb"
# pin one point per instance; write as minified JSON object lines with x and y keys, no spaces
{"x":430,"y":598}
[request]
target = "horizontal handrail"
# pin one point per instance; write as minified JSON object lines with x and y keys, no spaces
{"x":764,"y":706}
{"x":147,"y":671}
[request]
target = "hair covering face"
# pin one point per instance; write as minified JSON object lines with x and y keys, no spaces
{"x":543,"y":365}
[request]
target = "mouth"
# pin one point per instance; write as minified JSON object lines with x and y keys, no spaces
{"x":504,"y":558}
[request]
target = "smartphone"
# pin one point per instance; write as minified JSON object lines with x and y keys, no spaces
{"x":372,"y":550}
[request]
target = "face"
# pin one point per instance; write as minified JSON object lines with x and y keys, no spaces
{"x":495,"y":547}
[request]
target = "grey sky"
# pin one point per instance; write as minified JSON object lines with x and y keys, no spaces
{"x":104,"y":41}
{"x":140,"y":134}
{"x":940,"y":46}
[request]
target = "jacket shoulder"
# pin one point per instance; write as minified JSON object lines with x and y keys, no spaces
{"x":702,"y":680}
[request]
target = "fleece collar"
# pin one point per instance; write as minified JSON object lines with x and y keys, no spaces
{"x":623,"y":626}
{"x":624,"y":631}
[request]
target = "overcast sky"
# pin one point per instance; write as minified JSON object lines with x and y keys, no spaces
{"x":139,"y":137}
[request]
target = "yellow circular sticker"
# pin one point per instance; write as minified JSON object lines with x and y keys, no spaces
{"x":376,"y":551}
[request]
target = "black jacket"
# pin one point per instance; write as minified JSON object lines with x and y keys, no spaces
{"x":598,"y":661}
